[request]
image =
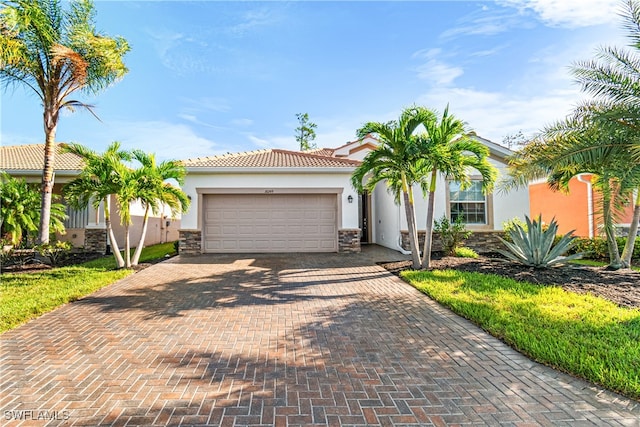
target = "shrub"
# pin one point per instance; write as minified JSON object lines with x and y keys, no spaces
{"x":56,"y":252}
{"x":452,"y":234}
{"x":510,"y":225}
{"x":535,"y":246}
{"x":463,"y":252}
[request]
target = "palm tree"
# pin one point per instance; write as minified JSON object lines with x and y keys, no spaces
{"x":584,"y":143}
{"x":101,"y":177}
{"x":56,"y":52}
{"x":20,"y":209}
{"x":614,"y":78}
{"x":393,"y":161}
{"x":155,"y":192}
{"x":447,"y":148}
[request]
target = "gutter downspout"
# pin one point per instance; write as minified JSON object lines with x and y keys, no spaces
{"x":589,"y":203}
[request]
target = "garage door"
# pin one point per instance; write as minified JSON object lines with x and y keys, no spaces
{"x":270,"y":223}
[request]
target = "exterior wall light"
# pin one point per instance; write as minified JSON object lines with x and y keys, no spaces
{"x":350,"y":198}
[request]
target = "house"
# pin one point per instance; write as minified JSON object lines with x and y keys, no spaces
{"x":276,"y":200}
{"x":84,"y":228}
{"x":578,"y":209}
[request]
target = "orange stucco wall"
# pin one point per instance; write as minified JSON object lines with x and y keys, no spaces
{"x":571,"y":210}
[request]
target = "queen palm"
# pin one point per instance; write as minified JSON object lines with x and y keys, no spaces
{"x":448,"y":149}
{"x":393,"y":162}
{"x":156,"y":191}
{"x":614,"y":78}
{"x":102,"y":177}
{"x":56,"y":52}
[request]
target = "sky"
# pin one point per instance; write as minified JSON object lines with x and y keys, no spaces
{"x":212,"y":77}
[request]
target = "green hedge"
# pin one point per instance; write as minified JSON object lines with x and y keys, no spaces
{"x":596,"y":247}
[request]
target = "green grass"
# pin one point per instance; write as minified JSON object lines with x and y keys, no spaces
{"x":28,"y":295}
{"x":594,"y":263}
{"x":583,"y":335}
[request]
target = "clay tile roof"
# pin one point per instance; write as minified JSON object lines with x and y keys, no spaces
{"x":31,"y":157}
{"x":270,"y":158}
{"x":327,"y":152}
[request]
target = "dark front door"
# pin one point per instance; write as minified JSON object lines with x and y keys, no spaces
{"x":364,"y":217}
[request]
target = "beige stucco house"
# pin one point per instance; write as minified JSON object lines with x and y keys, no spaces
{"x":84,"y":228}
{"x":290,"y":201}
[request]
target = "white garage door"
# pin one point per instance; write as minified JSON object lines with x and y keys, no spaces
{"x":270,"y":223}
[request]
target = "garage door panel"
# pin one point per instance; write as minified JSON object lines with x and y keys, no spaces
{"x":270,"y":223}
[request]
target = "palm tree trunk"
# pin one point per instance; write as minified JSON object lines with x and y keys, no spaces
{"x":127,"y":247}
{"x":409,"y":211}
{"x":48,"y":177}
{"x":428,"y":232}
{"x":627,"y":252}
{"x":614,"y":254}
{"x":145,"y":223}
{"x":112,"y":237}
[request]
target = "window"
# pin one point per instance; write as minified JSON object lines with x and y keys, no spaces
{"x":470,"y":203}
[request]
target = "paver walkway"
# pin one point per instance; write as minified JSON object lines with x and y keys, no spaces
{"x":281,"y":340}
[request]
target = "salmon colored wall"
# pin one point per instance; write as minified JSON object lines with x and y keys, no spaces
{"x":570,"y":210}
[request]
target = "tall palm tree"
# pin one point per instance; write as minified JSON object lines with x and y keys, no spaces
{"x":102,"y":176}
{"x":614,"y":78}
{"x":393,"y":161}
{"x":448,"y":149}
{"x":155,"y":192}
{"x":56,"y":52}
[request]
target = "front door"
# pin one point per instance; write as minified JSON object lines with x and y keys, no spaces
{"x":364,"y":217}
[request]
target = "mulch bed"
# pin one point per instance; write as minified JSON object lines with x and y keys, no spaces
{"x":622,"y":286}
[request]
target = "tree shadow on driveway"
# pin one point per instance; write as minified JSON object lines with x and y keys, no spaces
{"x":203,"y":283}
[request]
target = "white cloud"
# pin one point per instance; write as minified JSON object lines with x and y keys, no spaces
{"x":494,"y":115}
{"x":569,"y":13}
{"x":435,"y":70}
{"x":167,"y":140}
{"x":254,"y":19}
{"x":242,"y":122}
{"x":486,"y":21}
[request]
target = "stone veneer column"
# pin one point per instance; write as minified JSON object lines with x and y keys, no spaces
{"x":349,"y":240}
{"x":189,"y":242}
{"x":95,"y":240}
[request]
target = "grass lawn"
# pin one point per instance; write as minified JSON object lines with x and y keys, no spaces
{"x":580,"y":334}
{"x":26,"y":296}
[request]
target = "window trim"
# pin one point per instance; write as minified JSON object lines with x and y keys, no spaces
{"x":488,"y":207}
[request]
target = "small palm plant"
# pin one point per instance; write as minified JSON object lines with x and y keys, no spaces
{"x":533,"y":246}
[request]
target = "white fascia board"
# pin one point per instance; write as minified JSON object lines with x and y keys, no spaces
{"x":289,"y":170}
{"x":31,"y":172}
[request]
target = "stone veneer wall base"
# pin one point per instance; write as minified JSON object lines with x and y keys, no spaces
{"x":479,"y":241}
{"x":349,"y":240}
{"x":95,"y":240}
{"x":189,"y":242}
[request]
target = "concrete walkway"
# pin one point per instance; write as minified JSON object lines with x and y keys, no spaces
{"x":285,"y":340}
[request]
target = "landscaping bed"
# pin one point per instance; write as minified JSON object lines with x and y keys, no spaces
{"x":621,"y":287}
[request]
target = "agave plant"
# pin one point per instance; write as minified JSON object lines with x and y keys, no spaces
{"x":533,"y":245}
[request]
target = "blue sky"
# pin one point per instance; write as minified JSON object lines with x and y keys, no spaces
{"x":211,"y":77}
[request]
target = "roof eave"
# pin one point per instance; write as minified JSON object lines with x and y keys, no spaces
{"x":281,"y":170}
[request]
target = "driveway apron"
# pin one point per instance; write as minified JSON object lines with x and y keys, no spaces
{"x":285,"y":340}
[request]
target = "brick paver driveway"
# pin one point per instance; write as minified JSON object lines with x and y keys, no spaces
{"x":279,"y":340}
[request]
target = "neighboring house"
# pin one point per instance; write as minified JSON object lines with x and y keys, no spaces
{"x":578,"y":209}
{"x":289,"y":201}
{"x":84,"y":228}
